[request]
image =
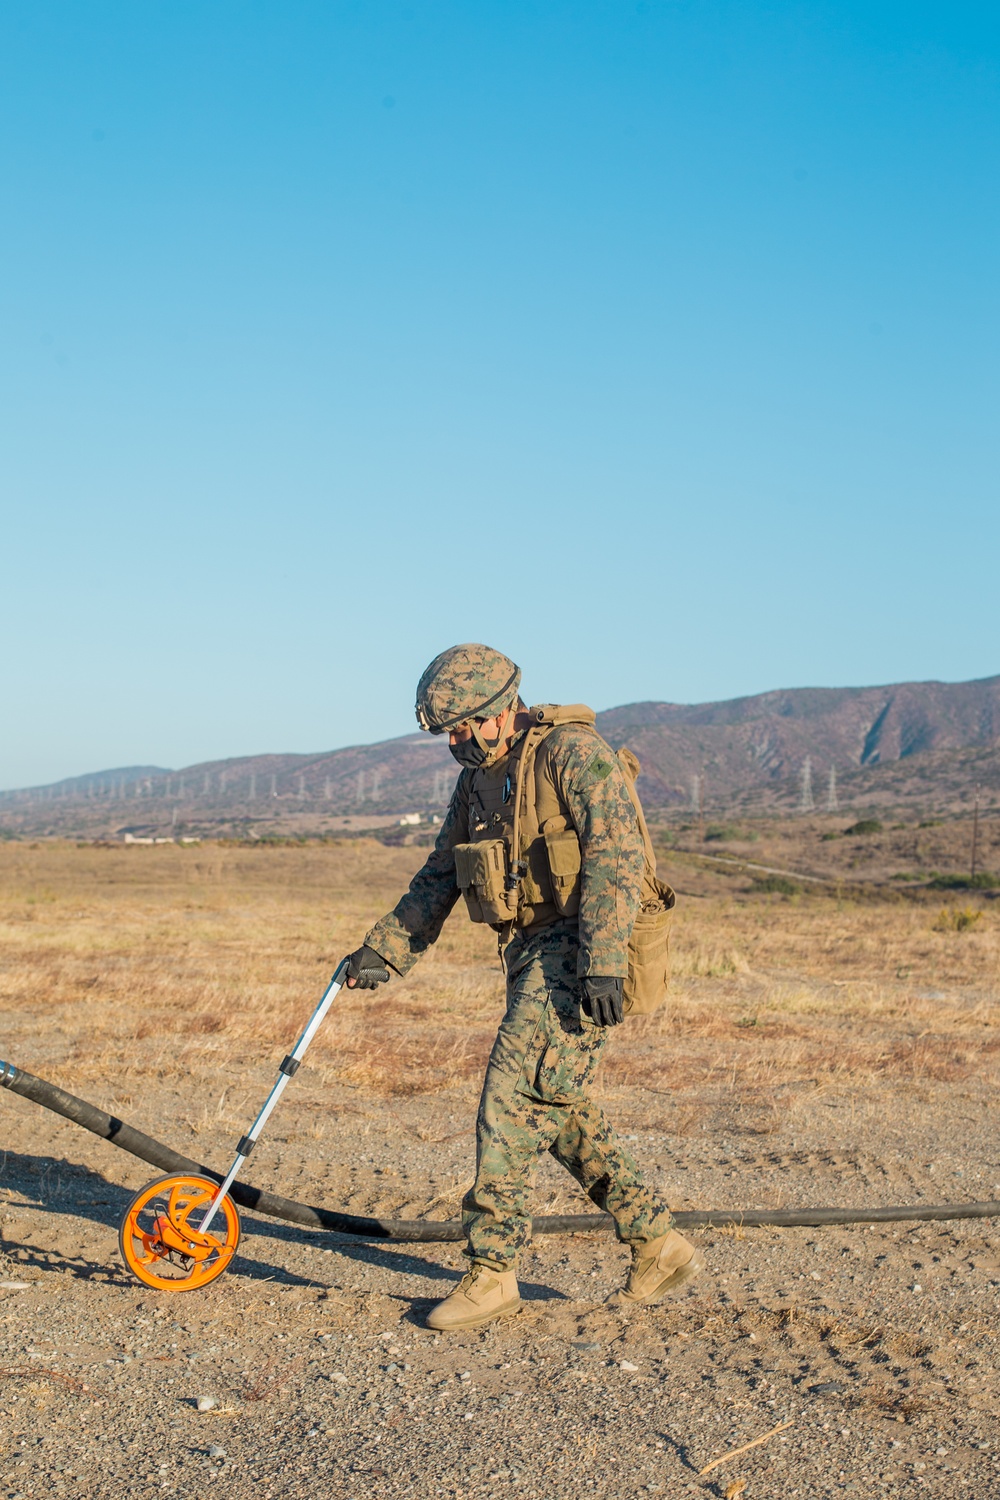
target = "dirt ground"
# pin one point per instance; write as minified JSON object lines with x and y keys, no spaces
{"x":815,"y":1050}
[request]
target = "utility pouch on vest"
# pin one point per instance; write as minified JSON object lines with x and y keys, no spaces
{"x":481,"y":874}
{"x":648,"y":974}
{"x":649,"y":953}
{"x":562,"y":849}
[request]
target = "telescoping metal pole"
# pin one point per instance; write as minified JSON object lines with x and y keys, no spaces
{"x":288,"y":1069}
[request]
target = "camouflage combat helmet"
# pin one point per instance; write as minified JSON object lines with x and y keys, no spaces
{"x":465,"y":683}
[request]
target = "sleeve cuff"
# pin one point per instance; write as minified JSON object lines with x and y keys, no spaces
{"x":608,"y":963}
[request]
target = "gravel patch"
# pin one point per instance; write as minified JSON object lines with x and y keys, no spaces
{"x":306,"y":1369}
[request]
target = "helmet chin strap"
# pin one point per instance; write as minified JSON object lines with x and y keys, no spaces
{"x":491,"y":748}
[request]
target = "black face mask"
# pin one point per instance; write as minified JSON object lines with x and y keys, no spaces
{"x":468,"y":754}
{"x":475,"y":751}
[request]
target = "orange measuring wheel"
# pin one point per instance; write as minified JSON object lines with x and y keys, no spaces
{"x":161,"y":1240}
{"x":173,"y":1236}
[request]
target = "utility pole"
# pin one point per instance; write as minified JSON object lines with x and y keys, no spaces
{"x":975,"y":835}
{"x":701,"y":808}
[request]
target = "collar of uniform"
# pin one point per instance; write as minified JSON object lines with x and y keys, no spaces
{"x":516,"y":740}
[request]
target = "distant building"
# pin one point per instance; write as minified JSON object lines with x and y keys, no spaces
{"x":408,"y":820}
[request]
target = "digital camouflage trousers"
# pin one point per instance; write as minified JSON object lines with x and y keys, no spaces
{"x":535,"y":1098}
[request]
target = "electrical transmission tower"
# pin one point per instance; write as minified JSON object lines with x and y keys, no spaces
{"x":831,"y":791}
{"x":806,"y":803}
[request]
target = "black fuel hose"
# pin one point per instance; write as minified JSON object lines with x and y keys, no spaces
{"x":110,"y":1128}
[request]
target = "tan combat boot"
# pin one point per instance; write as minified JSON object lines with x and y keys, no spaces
{"x":660,"y":1268}
{"x":481,"y":1296}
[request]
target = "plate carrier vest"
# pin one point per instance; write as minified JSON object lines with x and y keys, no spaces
{"x":522,"y":865}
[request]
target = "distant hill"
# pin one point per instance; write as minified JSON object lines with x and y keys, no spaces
{"x":754,"y":751}
{"x":924,"y":744}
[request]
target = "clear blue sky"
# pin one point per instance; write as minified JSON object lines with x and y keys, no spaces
{"x":655,"y":343}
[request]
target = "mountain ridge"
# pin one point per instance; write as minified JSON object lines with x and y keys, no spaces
{"x":772,"y":751}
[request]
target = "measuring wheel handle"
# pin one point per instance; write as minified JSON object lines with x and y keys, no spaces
{"x":181,"y":1232}
{"x":162,"y":1240}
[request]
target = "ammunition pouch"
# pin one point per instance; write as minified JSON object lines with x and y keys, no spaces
{"x":481,"y":876}
{"x":562,"y":850}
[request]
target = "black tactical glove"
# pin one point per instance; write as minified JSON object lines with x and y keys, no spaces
{"x":366,"y":969}
{"x":602,"y":1000}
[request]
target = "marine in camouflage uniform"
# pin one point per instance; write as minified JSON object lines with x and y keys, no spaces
{"x":539,"y":787}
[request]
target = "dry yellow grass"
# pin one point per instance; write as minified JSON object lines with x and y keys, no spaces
{"x":126,"y":965}
{"x":166,"y":983}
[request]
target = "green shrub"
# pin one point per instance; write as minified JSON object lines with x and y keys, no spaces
{"x":983,"y":881}
{"x":776,"y":885}
{"x":866,"y":825}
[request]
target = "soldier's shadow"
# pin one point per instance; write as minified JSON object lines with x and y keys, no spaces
{"x":387,"y":1256}
{"x":67,"y":1191}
